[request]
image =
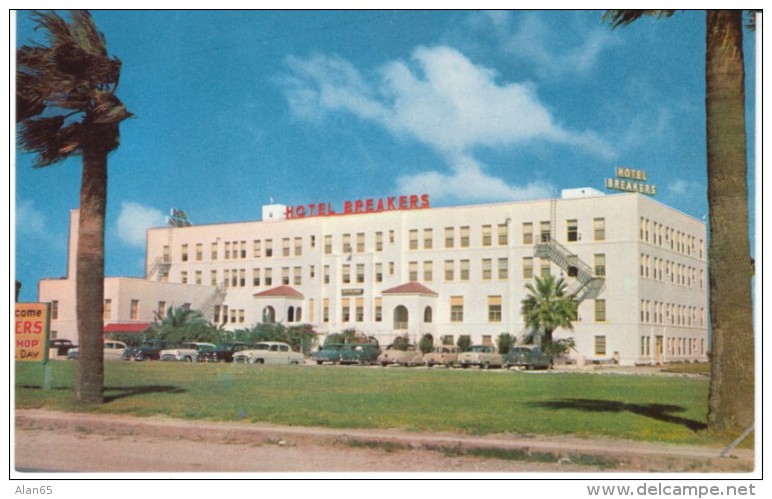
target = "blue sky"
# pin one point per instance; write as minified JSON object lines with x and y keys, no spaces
{"x":235,"y":108}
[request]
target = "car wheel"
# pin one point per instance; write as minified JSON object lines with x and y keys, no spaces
{"x":384,"y":364}
{"x":319,"y":362}
{"x":188,"y":359}
{"x":258,"y":361}
{"x":486,"y":365}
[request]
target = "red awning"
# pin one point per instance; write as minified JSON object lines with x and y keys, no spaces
{"x":128,"y":327}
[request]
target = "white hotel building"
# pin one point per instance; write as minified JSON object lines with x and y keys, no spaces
{"x":395,"y":266}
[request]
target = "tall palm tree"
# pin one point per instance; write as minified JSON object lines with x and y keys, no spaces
{"x":731,"y":396}
{"x":66,"y":106}
{"x":548,"y":307}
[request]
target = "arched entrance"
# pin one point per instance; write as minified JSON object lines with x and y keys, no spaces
{"x":269,"y":315}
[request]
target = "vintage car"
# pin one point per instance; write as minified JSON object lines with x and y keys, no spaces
{"x":269,"y":352}
{"x":113,"y":350}
{"x":444,"y":355}
{"x":148,"y":350}
{"x":187,"y":352}
{"x":530,"y":358}
{"x":407,"y":355}
{"x":484,"y":356}
{"x":359,"y":353}
{"x":59,"y":347}
{"x":223,"y":352}
{"x":328,"y":353}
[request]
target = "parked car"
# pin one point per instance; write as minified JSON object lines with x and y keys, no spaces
{"x":441,"y":355}
{"x":403,"y":356}
{"x":148,"y":350}
{"x":61,"y":345}
{"x":113,"y":350}
{"x":269,"y":352}
{"x":187,"y":352}
{"x":484,"y":356}
{"x":530,"y":358}
{"x":328,"y":353}
{"x":359,"y":353}
{"x":223,"y":352}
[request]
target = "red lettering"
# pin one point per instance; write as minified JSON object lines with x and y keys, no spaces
{"x":358,"y":206}
{"x":369,"y":205}
{"x":347,"y":207}
{"x":403,"y":202}
{"x":330,"y":211}
{"x":288,"y":212}
{"x":380,"y":205}
{"x":391,"y":204}
{"x":311,"y":208}
{"x":413,"y":202}
{"x":424,"y":200}
{"x":322,"y":209}
{"x":300,"y":211}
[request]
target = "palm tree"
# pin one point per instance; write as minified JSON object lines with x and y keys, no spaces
{"x":183,"y":324}
{"x":731,"y":396}
{"x":66,"y":106}
{"x":548,"y":307}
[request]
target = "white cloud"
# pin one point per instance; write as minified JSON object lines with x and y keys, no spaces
{"x":467,"y":182}
{"x":29,"y":220}
{"x":134,"y":219}
{"x":682,"y":187}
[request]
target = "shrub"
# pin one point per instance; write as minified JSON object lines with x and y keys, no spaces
{"x":426,"y":344}
{"x":464,"y":342}
{"x":505,"y":342}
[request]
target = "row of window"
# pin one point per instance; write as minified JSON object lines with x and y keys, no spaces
{"x":453,"y":270}
{"x":668,"y":237}
{"x":657,"y":312}
{"x":676,"y":347}
{"x":663,"y":270}
{"x":453,"y":237}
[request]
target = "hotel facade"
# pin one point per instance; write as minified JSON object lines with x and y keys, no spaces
{"x":396,"y":266}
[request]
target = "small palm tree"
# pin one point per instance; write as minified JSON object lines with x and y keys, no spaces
{"x":548,"y":307}
{"x":66,"y":106}
{"x":182,"y":324}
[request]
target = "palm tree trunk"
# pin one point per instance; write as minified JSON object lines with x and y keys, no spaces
{"x":89,"y":381}
{"x":731,"y":399}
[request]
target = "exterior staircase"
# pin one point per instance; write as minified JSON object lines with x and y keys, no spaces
{"x":216,"y":298}
{"x":159,"y":270}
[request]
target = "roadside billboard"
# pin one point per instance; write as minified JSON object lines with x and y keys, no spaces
{"x":32,"y":324}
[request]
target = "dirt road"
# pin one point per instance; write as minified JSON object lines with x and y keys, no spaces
{"x":48,"y":441}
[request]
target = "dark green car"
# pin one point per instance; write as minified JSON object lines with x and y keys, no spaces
{"x":328,"y":353}
{"x":530,"y":358}
{"x":361,"y":353}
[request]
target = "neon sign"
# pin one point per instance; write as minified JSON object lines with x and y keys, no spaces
{"x":359,"y":206}
{"x":631,"y":180}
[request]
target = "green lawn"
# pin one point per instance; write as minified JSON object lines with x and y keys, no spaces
{"x":653,"y":408}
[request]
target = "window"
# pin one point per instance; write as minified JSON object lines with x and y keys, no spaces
{"x":600,"y":310}
{"x":227,"y":250}
{"x":600,"y":264}
{"x":347,"y":274}
{"x":449,"y":237}
{"x":546,"y":269}
{"x":269,"y":277}
{"x":503,"y":234}
{"x":213,"y":278}
{"x":134,"y":310}
{"x":486,"y":235}
{"x":326,"y":310}
{"x":298,"y":246}
{"x":378,"y":310}
{"x":198,"y":277}
{"x":213,"y":251}
{"x":448,"y":270}
{"x":545,"y":230}
{"x":487,"y":266}
{"x":464,"y":270}
{"x":326,"y":274}
{"x":268,"y":247}
{"x":161,"y":310}
{"x":527,"y":233}
{"x":346,"y":310}
{"x":285,"y":246}
{"x":503,"y":268}
{"x":378,"y":272}
{"x":243,"y":249}
{"x":464,"y":236}
{"x":199,"y":252}
{"x":107,"y":312}
{"x":360,"y":309}
{"x":494,"y":309}
{"x":428,"y":239}
{"x":256,"y":249}
{"x":184,"y":277}
{"x":428,"y":271}
{"x":297,"y":276}
{"x":360,"y":242}
{"x":379,"y":241}
{"x":572,"y":234}
{"x":412,"y":271}
{"x":285,"y":279}
{"x":360,"y":273}
{"x":256,"y":277}
{"x":600,"y":345}
{"x":456,"y":309}
{"x":54,"y":310}
{"x":327,"y":245}
{"x":413,"y":237}
{"x":599,"y":229}
{"x":184,"y":252}
{"x":346,"y":243}
{"x":527,"y":267}
{"x":428,"y":315}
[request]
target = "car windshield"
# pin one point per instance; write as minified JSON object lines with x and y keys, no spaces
{"x":261,"y":346}
{"x":479,"y":348}
{"x":333,"y":347}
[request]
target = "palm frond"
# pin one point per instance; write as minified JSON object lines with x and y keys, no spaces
{"x":624,"y":17}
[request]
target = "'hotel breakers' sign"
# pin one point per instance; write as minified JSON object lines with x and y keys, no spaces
{"x":630,"y":180}
{"x":372,"y":205}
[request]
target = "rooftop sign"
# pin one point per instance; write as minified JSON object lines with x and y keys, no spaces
{"x":630,"y":180}
{"x":359,"y":206}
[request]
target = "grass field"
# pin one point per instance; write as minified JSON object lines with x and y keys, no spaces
{"x":651,"y":408}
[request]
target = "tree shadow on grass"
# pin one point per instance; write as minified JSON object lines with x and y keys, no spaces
{"x":132,"y":391}
{"x":659,"y":412}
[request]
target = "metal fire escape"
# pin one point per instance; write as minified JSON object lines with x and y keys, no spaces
{"x":213,"y":300}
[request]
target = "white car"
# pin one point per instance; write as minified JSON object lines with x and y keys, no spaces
{"x":187,"y":352}
{"x":269,"y":352}
{"x":484,"y":356}
{"x":113,"y":351}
